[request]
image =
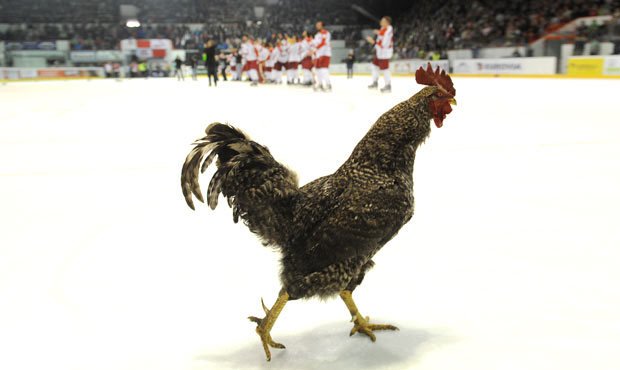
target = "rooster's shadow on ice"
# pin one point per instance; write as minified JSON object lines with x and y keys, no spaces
{"x":329,"y":347}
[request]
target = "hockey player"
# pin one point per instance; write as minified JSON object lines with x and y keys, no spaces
{"x":269,"y":63}
{"x":294,"y":57}
{"x":250,"y":54}
{"x":323,"y":52}
{"x":384,"y":49}
{"x":282,"y":52}
{"x":232,"y":62}
{"x":263,"y":56}
{"x":273,"y":62}
{"x":306,"y":58}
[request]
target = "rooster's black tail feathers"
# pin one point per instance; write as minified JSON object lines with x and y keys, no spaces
{"x":202,"y":155}
{"x":254,"y":183}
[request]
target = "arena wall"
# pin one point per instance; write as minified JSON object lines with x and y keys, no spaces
{"x":397,"y":67}
{"x":508,"y":66}
{"x":14,"y":74}
{"x":594,"y":66}
{"x":568,"y":50}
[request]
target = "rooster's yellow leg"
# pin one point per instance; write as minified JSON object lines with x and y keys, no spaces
{"x":361,"y":324}
{"x":264,"y":325}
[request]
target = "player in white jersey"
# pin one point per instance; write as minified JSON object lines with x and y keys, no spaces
{"x":263,"y":55}
{"x":264,"y":66}
{"x":294,"y":57}
{"x":232,"y":62}
{"x":282,"y":54}
{"x":306,"y":58}
{"x":271,"y":63}
{"x":384,"y":49}
{"x":250,"y":54}
{"x":323,"y":52}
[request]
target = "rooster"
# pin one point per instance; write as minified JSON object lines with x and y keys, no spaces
{"x":328,"y":230}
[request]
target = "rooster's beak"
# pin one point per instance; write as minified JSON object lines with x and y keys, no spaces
{"x":452,"y":101}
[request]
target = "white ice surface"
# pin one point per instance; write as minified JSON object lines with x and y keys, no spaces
{"x":512,"y":260}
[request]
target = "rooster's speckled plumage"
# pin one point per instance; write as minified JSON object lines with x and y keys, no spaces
{"x":329,"y":229}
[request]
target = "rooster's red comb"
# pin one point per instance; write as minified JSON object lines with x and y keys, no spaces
{"x":437,"y":77}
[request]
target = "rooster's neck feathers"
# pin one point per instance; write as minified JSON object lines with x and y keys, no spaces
{"x":391,"y":142}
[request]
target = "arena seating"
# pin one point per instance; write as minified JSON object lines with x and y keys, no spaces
{"x":427,"y":26}
{"x":455,"y":24}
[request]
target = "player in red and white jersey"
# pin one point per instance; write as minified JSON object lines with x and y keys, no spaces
{"x":250,"y":54}
{"x":323,"y":52}
{"x":264,"y":58}
{"x":384,"y":49}
{"x":232,"y":61}
{"x":282,"y":53}
{"x":263,"y":54}
{"x":271,"y":63}
{"x":294,"y":57}
{"x":306,"y":58}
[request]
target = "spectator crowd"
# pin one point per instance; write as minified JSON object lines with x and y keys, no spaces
{"x":455,"y":24}
{"x":427,"y":30}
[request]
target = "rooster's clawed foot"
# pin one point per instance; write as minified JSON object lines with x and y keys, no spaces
{"x":264,"y":325}
{"x":363,"y":326}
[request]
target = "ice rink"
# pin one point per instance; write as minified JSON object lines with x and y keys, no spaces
{"x":511,"y":262}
